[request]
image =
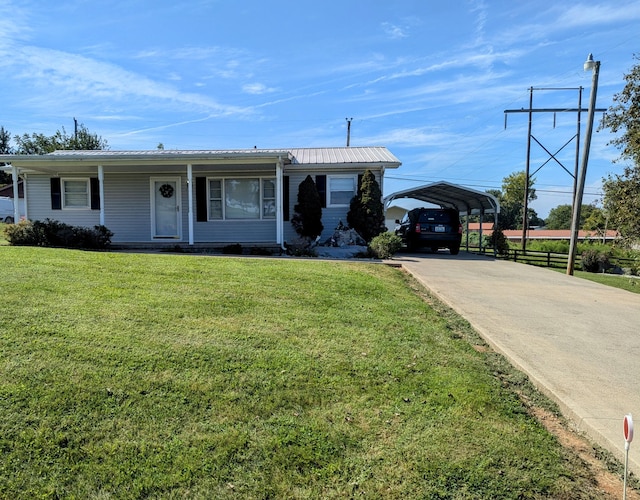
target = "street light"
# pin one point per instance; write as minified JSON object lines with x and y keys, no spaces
{"x":594,"y":66}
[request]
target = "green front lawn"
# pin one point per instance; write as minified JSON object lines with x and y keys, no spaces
{"x":170,"y":376}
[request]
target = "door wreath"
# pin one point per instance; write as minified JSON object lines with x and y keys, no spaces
{"x":166,"y":190}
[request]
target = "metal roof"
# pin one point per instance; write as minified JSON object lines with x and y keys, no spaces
{"x":379,"y":156}
{"x":447,"y":195}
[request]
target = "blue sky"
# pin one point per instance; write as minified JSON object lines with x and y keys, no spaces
{"x":428,"y":79}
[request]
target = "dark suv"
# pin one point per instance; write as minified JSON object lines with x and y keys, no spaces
{"x":432,"y":228}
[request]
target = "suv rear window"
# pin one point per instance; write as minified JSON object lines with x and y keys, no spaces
{"x":439,"y":216}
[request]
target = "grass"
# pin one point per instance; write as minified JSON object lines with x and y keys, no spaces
{"x":631,"y":284}
{"x":170,"y":376}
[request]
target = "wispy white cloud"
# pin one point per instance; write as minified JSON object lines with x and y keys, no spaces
{"x":411,"y":136}
{"x":258,"y":89}
{"x":394,"y":31}
{"x":601,"y":13}
{"x":82,"y":78}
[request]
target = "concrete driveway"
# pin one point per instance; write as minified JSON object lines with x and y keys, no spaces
{"x":578,"y":341}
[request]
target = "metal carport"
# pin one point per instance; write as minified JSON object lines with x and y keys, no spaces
{"x":466,"y":201}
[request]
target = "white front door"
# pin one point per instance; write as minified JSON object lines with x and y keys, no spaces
{"x":166,"y":208}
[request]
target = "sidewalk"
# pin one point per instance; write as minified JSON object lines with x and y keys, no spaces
{"x":578,"y":341}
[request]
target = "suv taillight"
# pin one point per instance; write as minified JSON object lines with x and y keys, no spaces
{"x":459,"y":228}
{"x":417,"y":228}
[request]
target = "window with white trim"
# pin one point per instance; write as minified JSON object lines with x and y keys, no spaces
{"x":268,"y":198}
{"x":76,"y":193}
{"x":242,"y":198}
{"x":341,"y":190}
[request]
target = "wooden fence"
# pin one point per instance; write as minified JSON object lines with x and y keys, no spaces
{"x":548,"y":259}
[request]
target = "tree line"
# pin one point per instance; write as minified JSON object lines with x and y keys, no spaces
{"x":39,"y":144}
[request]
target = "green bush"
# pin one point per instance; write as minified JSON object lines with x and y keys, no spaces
{"x":385,"y":245}
{"x":234,"y":249}
{"x":499,"y":242}
{"x":52,"y":233}
{"x":594,"y":261}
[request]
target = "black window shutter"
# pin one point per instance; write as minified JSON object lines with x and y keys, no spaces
{"x":95,"y":193}
{"x":56,"y":194}
{"x":201,"y":199}
{"x":321,"y":186}
{"x":285,"y":198}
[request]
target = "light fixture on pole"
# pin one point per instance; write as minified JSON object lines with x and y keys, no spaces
{"x":594,"y":66}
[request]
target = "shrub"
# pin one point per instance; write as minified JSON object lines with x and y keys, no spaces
{"x":52,"y":233}
{"x":307,"y":216}
{"x":385,"y":245}
{"x":366,"y":210}
{"x":499,"y":242}
{"x":234,"y":249}
{"x":594,"y":261}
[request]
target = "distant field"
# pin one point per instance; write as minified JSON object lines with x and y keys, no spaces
{"x":164,"y":376}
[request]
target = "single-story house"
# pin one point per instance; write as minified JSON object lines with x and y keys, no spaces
{"x":213,"y":198}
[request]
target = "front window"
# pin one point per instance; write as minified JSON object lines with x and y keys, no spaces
{"x":268,"y":199}
{"x":242,"y":198}
{"x":75,"y":193}
{"x":341,"y":190}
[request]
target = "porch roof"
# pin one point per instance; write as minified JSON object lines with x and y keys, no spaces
{"x":78,"y":160}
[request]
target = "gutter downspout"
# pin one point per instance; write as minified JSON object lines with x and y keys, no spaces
{"x":101,"y":190}
{"x":190,"y":196}
{"x":16,"y":197}
{"x":279,"y":203}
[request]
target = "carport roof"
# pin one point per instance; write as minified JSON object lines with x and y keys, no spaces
{"x":447,"y":195}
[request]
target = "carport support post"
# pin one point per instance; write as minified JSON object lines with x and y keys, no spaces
{"x":480,"y":230}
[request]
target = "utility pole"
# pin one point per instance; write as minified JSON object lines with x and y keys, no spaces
{"x":348,"y":130}
{"x":552,"y":156}
{"x":525,"y":204}
{"x":577,"y":201}
{"x":75,"y":130}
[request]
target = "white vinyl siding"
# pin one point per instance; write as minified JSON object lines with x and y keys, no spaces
{"x":38,"y":197}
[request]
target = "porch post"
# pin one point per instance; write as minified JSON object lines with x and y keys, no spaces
{"x":190,"y":196}
{"x":279,"y":201}
{"x":101,"y":190}
{"x":16,"y":196}
{"x":480,"y":231}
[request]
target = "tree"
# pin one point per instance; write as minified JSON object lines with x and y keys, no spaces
{"x":307,"y":217}
{"x":622,"y":202}
{"x":622,"y":191}
{"x":511,"y":199}
{"x":5,"y":149}
{"x":366,"y":211}
{"x":623,"y":117}
{"x":39,"y":144}
{"x":560,"y":217}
